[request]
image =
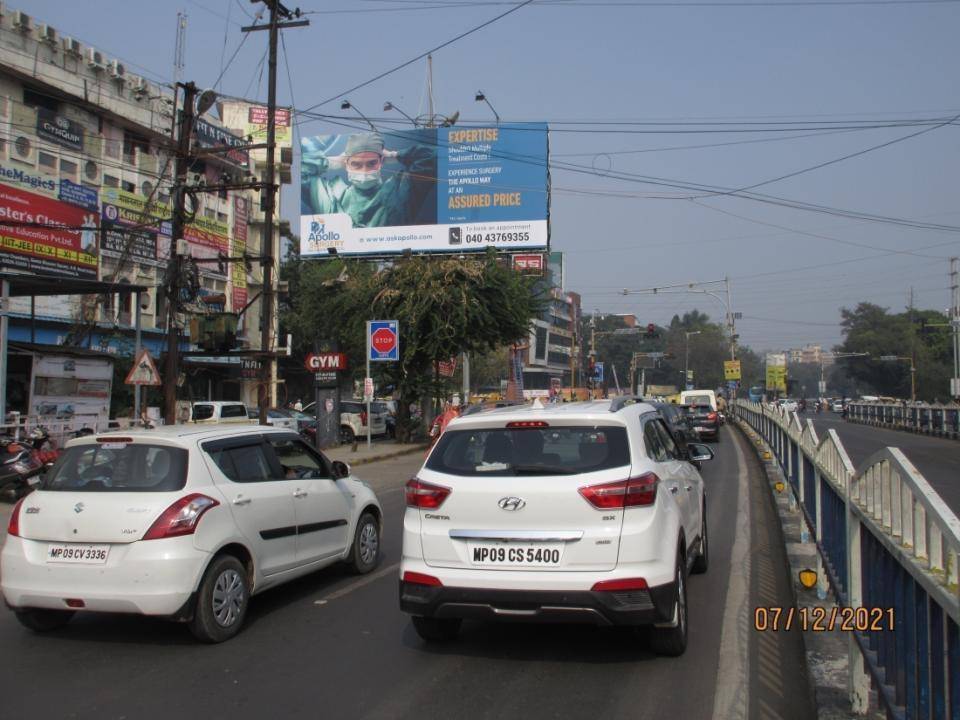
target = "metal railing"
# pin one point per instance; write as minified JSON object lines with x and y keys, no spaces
{"x":931,"y":419}
{"x":887,"y":542}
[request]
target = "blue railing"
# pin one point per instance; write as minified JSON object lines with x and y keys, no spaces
{"x":889,"y":547}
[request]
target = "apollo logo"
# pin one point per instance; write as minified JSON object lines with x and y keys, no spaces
{"x":318,"y":232}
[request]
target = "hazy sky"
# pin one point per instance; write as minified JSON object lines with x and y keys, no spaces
{"x":621,"y":60}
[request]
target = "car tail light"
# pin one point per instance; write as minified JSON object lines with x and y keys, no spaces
{"x":109,"y":439}
{"x":527,"y":424}
{"x":416,"y":578}
{"x":13,"y":527}
{"x":635,"y":492}
{"x":181,"y":518}
{"x":620,"y":585}
{"x":712,"y":417}
{"x":75,"y":603}
{"x":424,"y":495}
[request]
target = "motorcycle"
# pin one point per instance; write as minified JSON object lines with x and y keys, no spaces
{"x":20,"y":469}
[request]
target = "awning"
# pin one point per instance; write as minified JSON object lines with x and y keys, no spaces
{"x":27,"y":285}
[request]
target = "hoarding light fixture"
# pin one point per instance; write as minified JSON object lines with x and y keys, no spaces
{"x":481,"y":97}
{"x":347,"y":105}
{"x":388,"y":106}
{"x":331,"y":251}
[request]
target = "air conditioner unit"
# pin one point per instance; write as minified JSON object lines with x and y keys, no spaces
{"x":71,"y":46}
{"x":48,"y":34}
{"x":166,"y":106}
{"x":94,"y":59}
{"x":138,"y":85}
{"x":22,"y":21}
{"x":117,"y":70}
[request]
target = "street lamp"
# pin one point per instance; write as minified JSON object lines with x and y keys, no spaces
{"x":388,"y":106}
{"x":686,"y":355}
{"x":483,"y":98}
{"x":346,"y":105}
{"x":913,"y":372}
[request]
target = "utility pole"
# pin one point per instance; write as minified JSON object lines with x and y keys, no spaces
{"x":955,"y":326}
{"x":171,"y":368}
{"x":268,"y":198}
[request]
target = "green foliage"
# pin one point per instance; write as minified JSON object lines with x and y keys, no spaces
{"x":869,"y":328}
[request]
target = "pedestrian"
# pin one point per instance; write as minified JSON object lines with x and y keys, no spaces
{"x":298,"y":405}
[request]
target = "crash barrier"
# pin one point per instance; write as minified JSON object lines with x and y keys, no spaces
{"x":929,"y":419}
{"x":60,"y":430}
{"x":889,"y":548}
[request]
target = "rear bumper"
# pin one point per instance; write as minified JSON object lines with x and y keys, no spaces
{"x":637,"y":607}
{"x":708,"y":431}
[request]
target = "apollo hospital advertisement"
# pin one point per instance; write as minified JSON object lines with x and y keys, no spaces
{"x":440,"y":190}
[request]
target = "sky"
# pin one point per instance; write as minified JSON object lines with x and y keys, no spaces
{"x":694,"y":82}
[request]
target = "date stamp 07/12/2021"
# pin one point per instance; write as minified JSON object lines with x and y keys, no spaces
{"x":822,"y":619}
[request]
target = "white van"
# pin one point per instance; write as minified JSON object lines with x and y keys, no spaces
{"x":219,"y":411}
{"x":699,"y":397}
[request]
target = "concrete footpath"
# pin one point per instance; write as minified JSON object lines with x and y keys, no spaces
{"x":381,"y":450}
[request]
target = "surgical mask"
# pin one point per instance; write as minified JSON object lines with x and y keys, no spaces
{"x":364,"y":180}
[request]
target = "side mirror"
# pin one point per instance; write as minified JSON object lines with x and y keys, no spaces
{"x":342,"y":470}
{"x":699,"y":452}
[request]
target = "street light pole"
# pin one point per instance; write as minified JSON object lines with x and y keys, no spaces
{"x":686,"y":355}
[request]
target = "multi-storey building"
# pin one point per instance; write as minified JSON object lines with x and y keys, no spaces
{"x":554,"y":343}
{"x":86,"y":170}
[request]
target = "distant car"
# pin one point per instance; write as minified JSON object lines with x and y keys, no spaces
{"x":789,"y":405}
{"x":353,"y":420}
{"x":837,"y":406}
{"x":699,"y":397}
{"x":705,"y":420}
{"x":215,"y":412}
{"x":182,"y":522}
{"x":678,"y":421}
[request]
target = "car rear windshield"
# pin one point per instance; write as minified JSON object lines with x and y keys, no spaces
{"x":202,"y":412}
{"x":696,"y":400}
{"x":119,"y":467}
{"x":530,"y":451}
{"x":699,"y":409}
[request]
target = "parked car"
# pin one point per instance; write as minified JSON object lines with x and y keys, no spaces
{"x":216,"y":412}
{"x":182,"y":523}
{"x":705,"y":420}
{"x":578,"y":512}
{"x":353,"y":420}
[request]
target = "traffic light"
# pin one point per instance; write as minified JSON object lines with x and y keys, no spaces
{"x":651,"y":331}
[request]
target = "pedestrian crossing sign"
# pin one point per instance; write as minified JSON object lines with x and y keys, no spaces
{"x":144,"y":371}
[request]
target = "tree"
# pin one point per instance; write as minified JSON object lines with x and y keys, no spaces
{"x":444,"y":306}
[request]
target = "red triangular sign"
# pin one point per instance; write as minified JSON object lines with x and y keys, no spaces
{"x":144,"y":371}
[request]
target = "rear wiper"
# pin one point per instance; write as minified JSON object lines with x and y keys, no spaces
{"x":542,"y":470}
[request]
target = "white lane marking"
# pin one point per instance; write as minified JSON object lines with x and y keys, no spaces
{"x":731,"y":698}
{"x":373,"y":577}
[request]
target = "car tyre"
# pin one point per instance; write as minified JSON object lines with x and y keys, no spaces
{"x":436,"y":629}
{"x":42,"y":620}
{"x":365,"y":553}
{"x":221,"y":601}
{"x":703,"y":552}
{"x":347,"y":436}
{"x":672,"y":641}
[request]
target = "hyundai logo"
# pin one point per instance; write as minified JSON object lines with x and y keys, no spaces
{"x":78,"y":508}
{"x":512,"y":503}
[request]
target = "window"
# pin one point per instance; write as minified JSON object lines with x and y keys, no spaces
{"x":651,"y":439}
{"x":202,"y":412}
{"x":91,"y":171}
{"x":530,"y":451}
{"x":69,"y":168}
{"x":221,"y":216}
{"x":111,"y":181}
{"x":297,"y":461}
{"x":119,"y":467}
{"x":243,"y":464}
{"x":146,"y":188}
{"x":210,"y":213}
{"x":667,"y":439}
{"x":132,"y":143}
{"x":233,"y":411}
{"x":46,"y":160}
{"x":128,"y":186}
{"x":35,"y":99}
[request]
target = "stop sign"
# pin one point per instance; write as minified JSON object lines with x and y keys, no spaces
{"x":383,"y":340}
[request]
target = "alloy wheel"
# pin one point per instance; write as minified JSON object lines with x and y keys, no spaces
{"x":228,"y":597}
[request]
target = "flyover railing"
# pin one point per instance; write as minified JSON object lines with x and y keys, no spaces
{"x":938,"y":419}
{"x":889,"y":548}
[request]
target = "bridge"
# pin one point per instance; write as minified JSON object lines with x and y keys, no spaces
{"x":864,"y":519}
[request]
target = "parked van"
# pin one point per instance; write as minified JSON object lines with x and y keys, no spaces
{"x":699,"y":397}
{"x":219,"y":411}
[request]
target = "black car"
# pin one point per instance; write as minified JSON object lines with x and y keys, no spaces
{"x":680,"y":424}
{"x":705,"y":420}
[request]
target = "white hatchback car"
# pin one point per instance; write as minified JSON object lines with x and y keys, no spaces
{"x":581,"y":512}
{"x":185,"y":522}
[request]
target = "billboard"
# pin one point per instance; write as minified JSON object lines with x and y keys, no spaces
{"x":427,"y":191}
{"x":731,"y":369}
{"x":776,"y":372}
{"x":46,"y":236}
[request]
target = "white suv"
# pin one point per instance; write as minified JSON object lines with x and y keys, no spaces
{"x":185,"y":522}
{"x":581,"y":512}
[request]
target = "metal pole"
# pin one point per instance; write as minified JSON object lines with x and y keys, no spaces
{"x":465,"y":364}
{"x":369,"y":423}
{"x":136,"y":357}
{"x":266,"y":245}
{"x":955,"y":327}
{"x":730,"y":323}
{"x":171,"y":367}
{"x":4,"y":332}
{"x":686,"y":359}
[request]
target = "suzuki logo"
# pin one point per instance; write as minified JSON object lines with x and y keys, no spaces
{"x":512,"y":503}
{"x":78,"y":508}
